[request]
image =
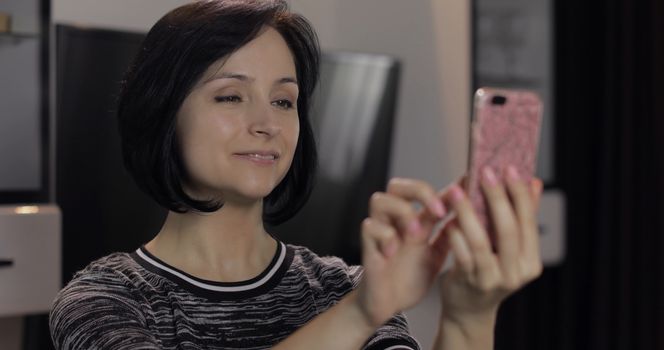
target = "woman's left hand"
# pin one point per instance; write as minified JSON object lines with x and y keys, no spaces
{"x":483,"y":277}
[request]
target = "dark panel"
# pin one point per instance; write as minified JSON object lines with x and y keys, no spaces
{"x":103,"y":210}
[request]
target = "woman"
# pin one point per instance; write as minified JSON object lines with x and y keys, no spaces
{"x":214,"y":125}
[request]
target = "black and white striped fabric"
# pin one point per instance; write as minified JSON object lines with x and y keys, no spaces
{"x":136,"y":301}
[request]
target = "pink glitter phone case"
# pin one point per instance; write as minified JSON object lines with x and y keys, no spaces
{"x":505,"y":130}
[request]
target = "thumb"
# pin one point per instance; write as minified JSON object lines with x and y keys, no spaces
{"x":377,"y":244}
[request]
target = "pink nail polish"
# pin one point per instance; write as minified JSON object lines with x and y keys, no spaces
{"x":513,"y":174}
{"x":391,"y":249}
{"x":456,"y":193}
{"x":490,"y":176}
{"x":437,"y":208}
{"x":414,"y":227}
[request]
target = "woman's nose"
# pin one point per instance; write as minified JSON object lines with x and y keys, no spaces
{"x":263,"y":121}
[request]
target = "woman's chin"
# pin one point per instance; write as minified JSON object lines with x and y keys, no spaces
{"x":246,"y":193}
{"x":247,"y":196}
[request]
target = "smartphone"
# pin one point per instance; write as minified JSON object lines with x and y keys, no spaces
{"x":505,"y":130}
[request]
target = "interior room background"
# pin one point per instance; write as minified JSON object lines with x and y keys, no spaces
{"x":608,"y":291}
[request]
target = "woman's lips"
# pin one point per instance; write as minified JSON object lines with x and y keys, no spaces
{"x":264,"y":158}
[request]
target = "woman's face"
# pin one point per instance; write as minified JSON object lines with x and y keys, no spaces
{"x":238,"y":127}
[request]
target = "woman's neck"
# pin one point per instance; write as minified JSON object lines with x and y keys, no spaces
{"x":228,"y":245}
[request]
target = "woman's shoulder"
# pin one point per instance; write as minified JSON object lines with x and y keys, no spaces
{"x":100,"y":299}
{"x":120,"y":267}
{"x":328,"y":268}
{"x":113,"y":275}
{"x":310,"y":258}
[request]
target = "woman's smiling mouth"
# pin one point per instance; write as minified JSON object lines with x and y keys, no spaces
{"x":259,"y":157}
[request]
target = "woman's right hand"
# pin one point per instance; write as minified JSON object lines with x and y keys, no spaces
{"x":400,"y":264}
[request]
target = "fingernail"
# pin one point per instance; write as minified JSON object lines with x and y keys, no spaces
{"x":437,"y":208}
{"x":512,"y":173}
{"x":490,"y":176}
{"x":391,"y":249}
{"x":414,"y":227}
{"x":537,"y":186}
{"x":456,"y":193}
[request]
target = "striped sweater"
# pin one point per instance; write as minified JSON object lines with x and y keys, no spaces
{"x":136,"y":301}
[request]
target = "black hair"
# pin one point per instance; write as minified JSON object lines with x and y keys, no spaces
{"x":174,"y":55}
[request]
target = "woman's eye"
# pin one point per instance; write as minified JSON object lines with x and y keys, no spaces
{"x":229,"y":99}
{"x":283,"y":104}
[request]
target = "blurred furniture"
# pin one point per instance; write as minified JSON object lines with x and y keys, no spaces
{"x":24,"y":102}
{"x":353,"y":117}
{"x":552,"y":221}
{"x":29,"y":258}
{"x":30,"y":238}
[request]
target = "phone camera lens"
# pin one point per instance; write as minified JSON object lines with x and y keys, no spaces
{"x":498,"y":100}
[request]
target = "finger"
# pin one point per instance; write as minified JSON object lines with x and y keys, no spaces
{"x":376,"y":246}
{"x":474,"y":233}
{"x":417,"y":191}
{"x":536,"y":270}
{"x":467,"y":219}
{"x":393,"y":210}
{"x":463,"y":258}
{"x":524,"y":208}
{"x":371,"y":255}
{"x":440,"y":242}
{"x":381,"y":236}
{"x":536,"y":187}
{"x":508,"y":237}
{"x":463,"y":181}
{"x":436,"y":223}
{"x":441,"y":194}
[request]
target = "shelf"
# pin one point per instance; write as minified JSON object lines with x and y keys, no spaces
{"x":15,"y":35}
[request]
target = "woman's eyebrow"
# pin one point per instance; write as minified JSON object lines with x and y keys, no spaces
{"x":245,"y":78}
{"x":287,"y":80}
{"x":229,"y":75}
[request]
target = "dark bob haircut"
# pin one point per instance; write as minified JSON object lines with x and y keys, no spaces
{"x":174,"y":55}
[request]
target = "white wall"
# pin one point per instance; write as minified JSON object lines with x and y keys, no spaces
{"x":432,"y":38}
{"x":134,"y":15}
